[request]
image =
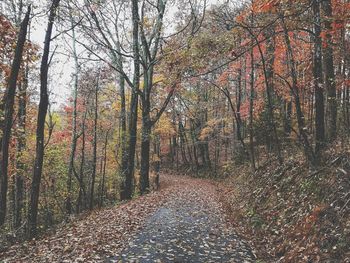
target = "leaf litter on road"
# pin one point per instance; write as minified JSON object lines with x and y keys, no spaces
{"x":182,"y":222}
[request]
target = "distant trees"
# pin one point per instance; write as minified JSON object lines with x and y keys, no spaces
{"x":142,"y":52}
{"x":274,"y":54}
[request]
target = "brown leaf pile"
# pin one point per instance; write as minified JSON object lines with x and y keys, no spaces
{"x":99,"y":235}
{"x":105,"y":233}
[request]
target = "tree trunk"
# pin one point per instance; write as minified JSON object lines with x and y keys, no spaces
{"x":329,"y":72}
{"x":104,"y":170}
{"x":127,"y":192}
{"x":94,"y":147}
{"x":237,"y":117}
{"x":40,"y":131}
{"x":157,"y":161}
{"x":251,"y":110}
{"x":295,"y":92}
{"x":318,"y":82}
{"x":288,"y":117}
{"x":74,"y":136}
{"x":123,"y":126}
{"x":268,"y":77}
{"x":182,"y":136}
{"x":145,"y":154}
{"x":81,"y":202}
{"x":8,"y":102}
{"x":146,"y":131}
{"x":149,"y":53}
{"x":21,"y":147}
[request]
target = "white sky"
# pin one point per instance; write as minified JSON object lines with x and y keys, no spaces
{"x":62,"y":69}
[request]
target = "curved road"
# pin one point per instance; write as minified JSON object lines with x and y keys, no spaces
{"x":189,"y":227}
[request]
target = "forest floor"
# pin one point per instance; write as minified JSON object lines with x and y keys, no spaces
{"x":289,"y":212}
{"x":182,"y":222}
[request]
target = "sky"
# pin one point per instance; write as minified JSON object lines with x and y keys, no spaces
{"x":62,"y":68}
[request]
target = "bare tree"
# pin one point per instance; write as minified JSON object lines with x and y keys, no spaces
{"x":8,"y":103}
{"x":40,"y":131}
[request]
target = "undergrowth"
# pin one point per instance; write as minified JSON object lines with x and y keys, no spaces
{"x":290,"y":213}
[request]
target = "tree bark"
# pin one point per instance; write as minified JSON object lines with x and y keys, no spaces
{"x":329,"y":72}
{"x":40,"y":131}
{"x":9,"y":99}
{"x":149,"y":58}
{"x":81,"y":202}
{"x":146,"y":130}
{"x":127,"y":191}
{"x":94,"y":147}
{"x":318,"y":81}
{"x":102,"y":194}
{"x":123,"y":136}
{"x":21,"y":146}
{"x":74,"y":136}
{"x":251,"y":110}
{"x":145,"y":154}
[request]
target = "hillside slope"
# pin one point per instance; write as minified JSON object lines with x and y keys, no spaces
{"x":293,"y":214}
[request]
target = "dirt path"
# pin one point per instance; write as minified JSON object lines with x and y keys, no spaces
{"x":189,"y":227}
{"x":183,"y":222}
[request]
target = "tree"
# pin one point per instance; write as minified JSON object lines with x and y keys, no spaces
{"x":151,"y":38}
{"x":74,"y":135}
{"x":8,"y":103}
{"x":296,"y":95}
{"x":127,"y":190}
{"x":149,"y":55}
{"x":318,"y":81}
{"x":94,"y":144}
{"x":21,"y":148}
{"x":40,"y":131}
{"x":329,"y":71}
